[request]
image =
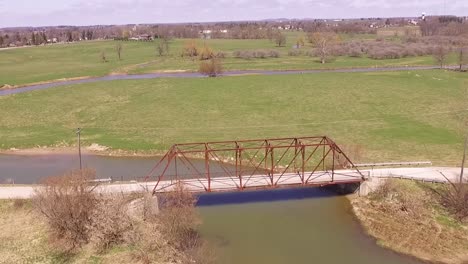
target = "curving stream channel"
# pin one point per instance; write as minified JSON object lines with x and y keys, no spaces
{"x":299,"y":226}
{"x":197,"y":75}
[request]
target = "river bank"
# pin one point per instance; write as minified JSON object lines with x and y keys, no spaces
{"x":7,"y":89}
{"x":114,"y":228}
{"x":93,"y":149}
{"x":409,"y":218}
{"x":275,"y":227}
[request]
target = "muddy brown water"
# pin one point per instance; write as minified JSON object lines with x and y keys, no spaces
{"x":297,"y":226}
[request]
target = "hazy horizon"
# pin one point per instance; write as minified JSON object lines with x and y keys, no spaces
{"x":24,"y":13}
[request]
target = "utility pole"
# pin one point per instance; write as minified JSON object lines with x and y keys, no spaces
{"x":464,"y":159}
{"x":78,"y":132}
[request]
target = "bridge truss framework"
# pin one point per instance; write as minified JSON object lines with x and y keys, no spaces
{"x":247,"y":164}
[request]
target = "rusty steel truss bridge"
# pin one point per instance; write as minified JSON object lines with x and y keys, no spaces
{"x":253,"y":164}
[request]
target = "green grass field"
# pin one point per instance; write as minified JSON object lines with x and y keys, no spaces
{"x":46,"y":63}
{"x":391,"y":115}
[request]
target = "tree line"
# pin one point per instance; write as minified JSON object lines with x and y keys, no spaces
{"x":445,"y":25}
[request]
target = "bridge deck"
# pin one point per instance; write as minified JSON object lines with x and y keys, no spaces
{"x":261,"y":181}
{"x":432,"y":174}
{"x":226,"y":184}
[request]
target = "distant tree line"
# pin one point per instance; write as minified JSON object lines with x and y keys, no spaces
{"x":444,"y":25}
{"x":431,"y":26}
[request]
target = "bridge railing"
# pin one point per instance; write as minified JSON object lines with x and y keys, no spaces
{"x":393,"y":164}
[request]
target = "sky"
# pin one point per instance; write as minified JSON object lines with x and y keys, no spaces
{"x":15,"y":13}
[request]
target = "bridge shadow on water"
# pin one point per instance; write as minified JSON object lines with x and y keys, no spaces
{"x":267,"y":195}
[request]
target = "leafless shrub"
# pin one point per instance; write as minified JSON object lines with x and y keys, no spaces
{"x":273,"y":54}
{"x":67,"y":202}
{"x":259,"y":54}
{"x":206,"y":53}
{"x":19,"y":203}
{"x":221,"y":55}
{"x":205,"y":253}
{"x":77,"y":216}
{"x":455,"y":199}
{"x":176,"y":226}
{"x":190,"y":49}
{"x":240,"y":54}
{"x":211,"y":68}
{"x":411,"y":39}
{"x":295,"y":52}
{"x":385,"y":53}
{"x":398,"y":197}
{"x":382,"y":50}
{"x":151,"y":244}
{"x":339,"y":50}
{"x":311,"y":53}
{"x":179,"y":219}
{"x":110,"y":225}
{"x":385,"y":190}
{"x":355,"y":52}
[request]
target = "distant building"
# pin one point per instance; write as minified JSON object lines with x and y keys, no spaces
{"x":206,"y":33}
{"x":145,"y":37}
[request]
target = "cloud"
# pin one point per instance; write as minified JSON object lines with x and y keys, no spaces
{"x":86,"y":12}
{"x":394,"y":4}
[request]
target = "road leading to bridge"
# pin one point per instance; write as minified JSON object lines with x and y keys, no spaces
{"x":427,"y":174}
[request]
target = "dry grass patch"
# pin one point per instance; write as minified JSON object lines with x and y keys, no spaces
{"x":67,"y":221}
{"x":409,"y":217}
{"x":23,"y":238}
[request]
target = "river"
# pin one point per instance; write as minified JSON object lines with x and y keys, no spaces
{"x":34,"y":87}
{"x":304,"y":225}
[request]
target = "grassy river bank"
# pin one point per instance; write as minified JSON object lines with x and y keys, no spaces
{"x":412,"y":218}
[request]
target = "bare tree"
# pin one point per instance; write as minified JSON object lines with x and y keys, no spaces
{"x":163,"y":46}
{"x":300,"y":42}
{"x":280,"y":39}
{"x":103,"y":56}
{"x":323,"y":43}
{"x":462,"y":57}
{"x":440,"y":54}
{"x":118,"y":48}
